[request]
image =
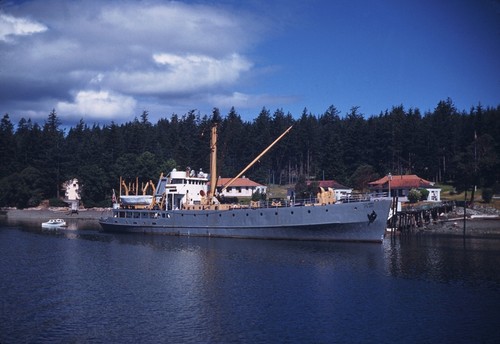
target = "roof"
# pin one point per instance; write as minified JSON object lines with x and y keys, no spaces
{"x":239,"y":182}
{"x":329,"y":184}
{"x":401,"y":182}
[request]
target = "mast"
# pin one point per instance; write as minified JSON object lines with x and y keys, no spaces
{"x":213,"y":159}
{"x":256,"y":159}
{"x":213,"y":154}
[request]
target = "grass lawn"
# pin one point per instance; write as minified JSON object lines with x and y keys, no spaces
{"x":447,"y":193}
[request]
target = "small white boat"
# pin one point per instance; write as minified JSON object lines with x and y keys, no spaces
{"x":54,"y":223}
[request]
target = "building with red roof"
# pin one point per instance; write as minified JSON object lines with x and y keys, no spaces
{"x":241,"y":187}
{"x":400,"y":185}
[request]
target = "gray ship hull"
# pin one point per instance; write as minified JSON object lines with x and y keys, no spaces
{"x":357,"y":221}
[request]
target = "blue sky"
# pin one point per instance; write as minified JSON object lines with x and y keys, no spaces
{"x":104,"y":61}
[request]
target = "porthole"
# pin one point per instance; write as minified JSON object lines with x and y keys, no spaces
{"x":291,"y":212}
{"x":308,"y":211}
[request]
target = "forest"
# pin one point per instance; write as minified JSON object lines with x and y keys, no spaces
{"x":444,"y":146}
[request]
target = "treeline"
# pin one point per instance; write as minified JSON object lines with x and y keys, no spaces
{"x":444,"y":145}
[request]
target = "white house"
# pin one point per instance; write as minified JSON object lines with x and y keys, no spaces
{"x":241,"y":187}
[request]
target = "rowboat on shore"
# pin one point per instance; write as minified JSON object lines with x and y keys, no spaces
{"x":54,"y":223}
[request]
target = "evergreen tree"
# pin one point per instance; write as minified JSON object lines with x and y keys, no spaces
{"x":28,"y":143}
{"x":261,"y":138}
{"x":50,"y":159}
{"x":330,"y":142}
{"x":7,"y":147}
{"x":281,"y":152}
{"x":232,"y":144}
{"x":354,"y":134}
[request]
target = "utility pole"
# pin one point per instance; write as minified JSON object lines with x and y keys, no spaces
{"x":465,"y":209}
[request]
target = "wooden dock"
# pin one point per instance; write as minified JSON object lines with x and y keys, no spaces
{"x":415,"y":216}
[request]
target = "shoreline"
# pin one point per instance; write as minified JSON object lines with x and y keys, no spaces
{"x":44,"y":214}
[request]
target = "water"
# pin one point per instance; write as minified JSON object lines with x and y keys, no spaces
{"x":82,"y":286}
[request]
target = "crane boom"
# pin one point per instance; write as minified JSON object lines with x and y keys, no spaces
{"x":256,"y":159}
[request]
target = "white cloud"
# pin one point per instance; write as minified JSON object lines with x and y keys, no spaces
{"x":180,"y":74}
{"x":12,"y":26}
{"x":179,"y":27}
{"x":236,"y":99}
{"x":102,"y":104}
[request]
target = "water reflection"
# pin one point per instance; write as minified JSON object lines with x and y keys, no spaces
{"x":445,"y":259}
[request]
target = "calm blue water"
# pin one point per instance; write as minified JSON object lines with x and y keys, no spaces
{"x":84,"y":286}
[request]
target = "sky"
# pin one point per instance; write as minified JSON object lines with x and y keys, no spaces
{"x":104,"y":61}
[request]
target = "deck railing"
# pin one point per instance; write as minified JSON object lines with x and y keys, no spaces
{"x":350,"y":198}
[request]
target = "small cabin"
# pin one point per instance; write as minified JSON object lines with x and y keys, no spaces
{"x":400,"y":186}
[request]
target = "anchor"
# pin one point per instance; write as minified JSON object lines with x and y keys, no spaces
{"x":372,"y":217}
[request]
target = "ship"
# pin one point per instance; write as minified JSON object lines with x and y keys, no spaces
{"x":187,"y":203}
